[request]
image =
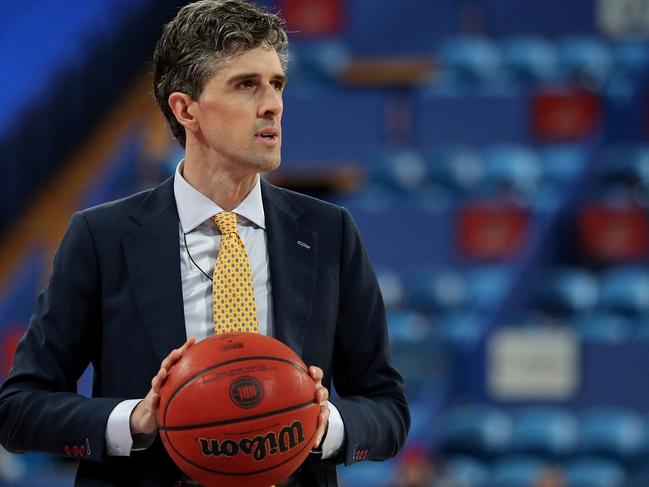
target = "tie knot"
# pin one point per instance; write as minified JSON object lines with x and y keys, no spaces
{"x":226,"y":222}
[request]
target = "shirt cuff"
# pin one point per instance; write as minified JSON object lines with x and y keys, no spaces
{"x":335,"y":433}
{"x":119,"y":441}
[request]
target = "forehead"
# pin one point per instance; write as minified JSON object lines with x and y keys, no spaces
{"x":262,"y":60}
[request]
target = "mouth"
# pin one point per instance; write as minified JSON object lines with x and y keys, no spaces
{"x":269,"y":135}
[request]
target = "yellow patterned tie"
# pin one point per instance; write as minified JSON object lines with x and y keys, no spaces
{"x":233,"y":294}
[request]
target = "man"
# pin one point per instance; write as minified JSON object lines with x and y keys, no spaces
{"x":132,"y":279}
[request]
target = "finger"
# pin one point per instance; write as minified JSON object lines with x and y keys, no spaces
{"x":190,"y":342}
{"x":159,"y":380}
{"x":155,"y":400}
{"x":323,"y":419}
{"x":174,"y":356}
{"x":177,"y":353}
{"x":166,"y":363}
{"x":316,"y":373}
{"x":322,"y":395}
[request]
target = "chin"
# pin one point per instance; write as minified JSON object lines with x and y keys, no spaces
{"x":269,"y":165}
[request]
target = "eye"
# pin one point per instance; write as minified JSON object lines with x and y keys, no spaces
{"x":278,"y":85}
{"x":247,"y":84}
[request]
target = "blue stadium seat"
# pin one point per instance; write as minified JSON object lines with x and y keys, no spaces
{"x":562,"y":164}
{"x":317,"y":61}
{"x":406,"y":326}
{"x":594,"y":472}
{"x":569,"y":289}
{"x":487,"y":285}
{"x":469,"y":60}
{"x":517,"y":471}
{"x":603,"y":327}
{"x":546,"y":431}
{"x":511,"y":169}
{"x":630,"y":57}
{"x":530,"y":59}
{"x":466,"y":471}
{"x":416,"y":350}
{"x":625,"y":289}
{"x":455,"y":167}
{"x":436,"y":290}
{"x":462,"y":327}
{"x":476,"y":429}
{"x":585,"y":58}
{"x":401,"y":171}
{"x":392,"y":288}
{"x":615,"y":432}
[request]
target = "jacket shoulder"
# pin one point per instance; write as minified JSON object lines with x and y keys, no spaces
{"x":137,"y":208}
{"x":304,"y":203}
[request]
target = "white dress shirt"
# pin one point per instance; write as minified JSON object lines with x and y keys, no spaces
{"x":199,"y":242}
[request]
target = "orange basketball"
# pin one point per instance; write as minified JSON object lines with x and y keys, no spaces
{"x":238,"y":409}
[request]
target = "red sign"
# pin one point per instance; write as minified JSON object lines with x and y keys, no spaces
{"x":492,"y":231}
{"x":614,"y":233}
{"x":565,"y":114}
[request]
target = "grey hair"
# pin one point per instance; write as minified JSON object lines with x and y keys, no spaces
{"x":201,"y":37}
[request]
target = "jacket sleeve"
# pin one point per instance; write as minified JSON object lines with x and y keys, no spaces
{"x":371,"y":398}
{"x":39,"y":407}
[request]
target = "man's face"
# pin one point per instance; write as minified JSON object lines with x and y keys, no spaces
{"x":239,"y":112}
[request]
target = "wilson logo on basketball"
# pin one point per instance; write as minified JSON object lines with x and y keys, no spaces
{"x":246,"y":392}
{"x":258,"y":447}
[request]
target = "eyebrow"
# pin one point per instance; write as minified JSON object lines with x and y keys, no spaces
{"x":244,"y":76}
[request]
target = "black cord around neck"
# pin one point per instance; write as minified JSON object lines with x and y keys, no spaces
{"x":192,"y":259}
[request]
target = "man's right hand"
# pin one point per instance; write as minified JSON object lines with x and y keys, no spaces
{"x":144,"y":418}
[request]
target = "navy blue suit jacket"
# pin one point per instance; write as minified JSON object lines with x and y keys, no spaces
{"x":115,"y":300}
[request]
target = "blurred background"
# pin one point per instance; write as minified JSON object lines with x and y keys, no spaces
{"x":494,"y":154}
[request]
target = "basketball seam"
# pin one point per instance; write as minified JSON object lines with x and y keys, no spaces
{"x":238,"y":420}
{"x":208,"y":369}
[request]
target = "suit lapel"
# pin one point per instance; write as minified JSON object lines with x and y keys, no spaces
{"x":153,"y":260}
{"x":292,"y":254}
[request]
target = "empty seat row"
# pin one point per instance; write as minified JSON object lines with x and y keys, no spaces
{"x":548,"y":432}
{"x":623,"y":289}
{"x":510,"y":169}
{"x":476,"y":58}
{"x":535,"y":59}
{"x":478,"y":287}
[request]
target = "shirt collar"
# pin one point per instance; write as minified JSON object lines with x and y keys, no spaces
{"x":195,"y":208}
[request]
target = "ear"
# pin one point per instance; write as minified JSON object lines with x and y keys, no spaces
{"x":184,"y":109}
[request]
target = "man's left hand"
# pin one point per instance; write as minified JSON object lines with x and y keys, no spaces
{"x":322,"y":396}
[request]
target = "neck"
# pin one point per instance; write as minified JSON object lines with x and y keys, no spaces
{"x":227,"y":186}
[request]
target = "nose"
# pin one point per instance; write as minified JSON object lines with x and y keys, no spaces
{"x":271,"y":104}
